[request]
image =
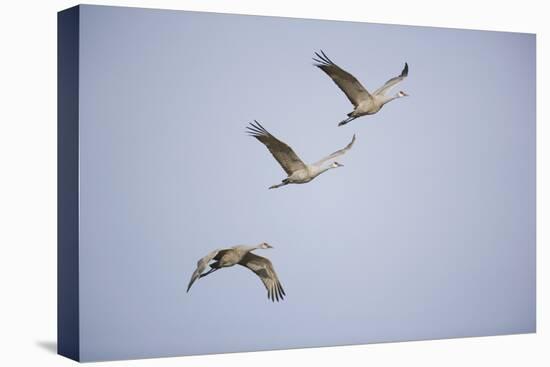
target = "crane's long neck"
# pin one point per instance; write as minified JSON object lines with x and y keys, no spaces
{"x":316,"y":171}
{"x":251,"y":248}
{"x":386,"y":99}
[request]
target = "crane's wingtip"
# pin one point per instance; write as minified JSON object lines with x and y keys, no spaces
{"x":351,"y":142}
{"x":322,"y":59}
{"x":405,"y":71}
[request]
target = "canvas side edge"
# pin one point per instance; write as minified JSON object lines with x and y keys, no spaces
{"x":68,"y":330}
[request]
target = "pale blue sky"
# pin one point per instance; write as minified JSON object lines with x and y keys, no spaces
{"x":427,"y":232}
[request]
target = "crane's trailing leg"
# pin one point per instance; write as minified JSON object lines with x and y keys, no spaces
{"x":209,"y":272}
{"x":283,"y":183}
{"x":349,"y":119}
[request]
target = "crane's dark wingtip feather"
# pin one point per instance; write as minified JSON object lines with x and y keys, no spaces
{"x":321,"y":57}
{"x":259,"y":128}
{"x":260,"y":125}
{"x":280,"y":290}
{"x":405,"y":71}
{"x":254,"y":134}
{"x":326,"y":57}
{"x":256,"y":130}
{"x":319,"y":63}
{"x":324,"y":60}
{"x":253,"y":128}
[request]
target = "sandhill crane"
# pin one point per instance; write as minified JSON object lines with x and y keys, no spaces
{"x":298,"y":172}
{"x":242,"y":255}
{"x":365,"y":103}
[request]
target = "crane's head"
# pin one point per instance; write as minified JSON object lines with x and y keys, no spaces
{"x":265,"y":245}
{"x":402,"y":94}
{"x":336,"y":165}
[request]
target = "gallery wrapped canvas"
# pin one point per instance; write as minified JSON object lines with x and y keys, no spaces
{"x":235,"y":183}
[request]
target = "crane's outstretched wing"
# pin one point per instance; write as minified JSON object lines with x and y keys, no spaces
{"x":337,"y":153}
{"x":263,"y":268}
{"x":201,"y":265}
{"x":351,"y":87}
{"x":393,"y":81}
{"x":280,"y":151}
